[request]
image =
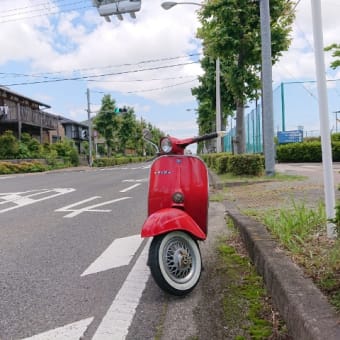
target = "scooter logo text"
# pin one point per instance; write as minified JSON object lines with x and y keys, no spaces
{"x":162,"y":172}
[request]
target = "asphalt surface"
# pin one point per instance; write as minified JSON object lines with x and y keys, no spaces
{"x":44,"y":253}
{"x":304,"y":308}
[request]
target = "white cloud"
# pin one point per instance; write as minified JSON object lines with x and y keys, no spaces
{"x":298,"y":63}
{"x":75,"y":41}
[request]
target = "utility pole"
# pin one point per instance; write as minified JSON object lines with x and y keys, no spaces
{"x":323,"y":114}
{"x":267,"y":90}
{"x":90,"y":126}
{"x":336,"y":120}
{"x":218,"y":106}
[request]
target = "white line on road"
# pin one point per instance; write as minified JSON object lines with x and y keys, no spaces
{"x":135,"y":180}
{"x":75,"y":212}
{"x":131,"y":187}
{"x":118,"y":254}
{"x":118,"y":318}
{"x":72,"y":331}
{"x":20,"y":200}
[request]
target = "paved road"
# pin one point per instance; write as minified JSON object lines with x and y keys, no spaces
{"x":72,"y":260}
{"x":312,"y":170}
{"x":72,"y":264}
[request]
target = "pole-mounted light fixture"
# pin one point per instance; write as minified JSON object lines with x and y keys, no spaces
{"x":170,"y":4}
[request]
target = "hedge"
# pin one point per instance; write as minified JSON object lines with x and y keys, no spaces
{"x":111,"y":161}
{"x":245,"y":164}
{"x":305,"y":152}
{"x":14,"y":168}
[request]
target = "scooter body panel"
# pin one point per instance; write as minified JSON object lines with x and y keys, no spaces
{"x":171,"y":219}
{"x":184,"y":174}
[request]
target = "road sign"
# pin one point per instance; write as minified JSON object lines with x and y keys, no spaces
{"x":293,"y":136}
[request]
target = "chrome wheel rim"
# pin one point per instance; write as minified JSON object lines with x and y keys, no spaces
{"x":179,"y":260}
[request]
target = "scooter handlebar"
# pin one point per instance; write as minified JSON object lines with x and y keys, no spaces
{"x":210,"y":136}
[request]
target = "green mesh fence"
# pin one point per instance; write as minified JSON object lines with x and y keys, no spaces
{"x":295,"y":106}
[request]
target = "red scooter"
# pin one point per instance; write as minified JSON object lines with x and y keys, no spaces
{"x":177,"y":214}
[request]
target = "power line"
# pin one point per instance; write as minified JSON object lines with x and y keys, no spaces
{"x":140,"y":80}
{"x":24,"y":10}
{"x":44,"y":75}
{"x":161,"y":88}
{"x":44,"y":14}
{"x":150,"y":90}
{"x":101,"y":75}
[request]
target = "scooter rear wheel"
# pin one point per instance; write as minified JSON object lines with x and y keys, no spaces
{"x":175,"y":262}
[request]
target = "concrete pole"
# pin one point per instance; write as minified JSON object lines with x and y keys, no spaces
{"x":90,"y":126}
{"x":323,"y":114}
{"x":267,"y":90}
{"x":218,"y":106}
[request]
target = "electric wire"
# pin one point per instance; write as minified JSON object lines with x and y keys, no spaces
{"x":101,"y":75}
{"x":19,"y":12}
{"x":162,"y":88}
{"x":48,"y":12}
{"x":44,"y":74}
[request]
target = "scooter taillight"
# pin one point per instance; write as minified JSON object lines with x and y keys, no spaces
{"x":178,"y":197}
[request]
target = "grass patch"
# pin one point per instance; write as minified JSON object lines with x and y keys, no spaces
{"x":228,"y":177}
{"x":292,"y":212}
{"x":295,"y":225}
{"x":217,"y":196}
{"x":302,"y":231}
{"x":245,"y":303}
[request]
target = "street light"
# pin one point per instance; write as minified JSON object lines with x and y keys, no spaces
{"x":169,"y":4}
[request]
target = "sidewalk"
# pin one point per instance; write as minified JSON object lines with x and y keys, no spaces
{"x":304,"y":308}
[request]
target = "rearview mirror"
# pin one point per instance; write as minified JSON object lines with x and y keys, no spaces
{"x":147,"y":134}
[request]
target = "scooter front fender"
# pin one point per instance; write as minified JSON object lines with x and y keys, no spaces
{"x":170,"y":219}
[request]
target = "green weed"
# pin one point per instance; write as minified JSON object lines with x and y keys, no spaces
{"x":294,"y":225}
{"x":244,"y":304}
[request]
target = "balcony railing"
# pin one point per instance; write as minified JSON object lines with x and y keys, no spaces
{"x":28,"y":116}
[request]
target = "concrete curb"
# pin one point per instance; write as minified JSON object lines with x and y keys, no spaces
{"x":306,"y":311}
{"x":304,"y":308}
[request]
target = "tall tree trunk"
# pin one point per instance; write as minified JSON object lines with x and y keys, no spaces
{"x":240,"y":130}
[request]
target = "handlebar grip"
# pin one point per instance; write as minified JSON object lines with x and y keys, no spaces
{"x":206,"y":137}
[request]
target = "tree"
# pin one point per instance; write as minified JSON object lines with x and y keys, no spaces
{"x":231,"y":31}
{"x":107,"y":122}
{"x":336,"y":54}
{"x":9,"y":145}
{"x":206,"y":96}
{"x":127,"y":130}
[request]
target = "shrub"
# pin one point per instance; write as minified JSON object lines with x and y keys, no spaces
{"x":11,"y":168}
{"x":299,"y":152}
{"x":222,"y":164}
{"x":66,"y":150}
{"x":9,"y":146}
{"x":29,"y":147}
{"x":305,"y":152}
{"x":246,"y":164}
{"x":105,"y":161}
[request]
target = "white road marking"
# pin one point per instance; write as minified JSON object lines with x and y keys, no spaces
{"x":118,"y":254}
{"x":131,"y":187}
{"x":76,"y":212}
{"x":135,"y":180}
{"x":72,"y":331}
{"x":118,"y":318}
{"x":21,"y":199}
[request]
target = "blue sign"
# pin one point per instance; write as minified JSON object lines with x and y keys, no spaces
{"x":294,"y":136}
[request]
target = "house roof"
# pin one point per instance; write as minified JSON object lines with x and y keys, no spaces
{"x":6,"y":89}
{"x":70,"y":121}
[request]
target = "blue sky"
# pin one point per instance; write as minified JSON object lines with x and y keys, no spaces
{"x":58,"y":39}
